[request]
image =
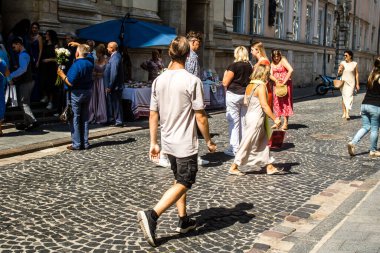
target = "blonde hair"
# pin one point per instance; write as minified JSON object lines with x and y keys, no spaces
{"x":259,"y":46}
{"x":241,"y":54}
{"x":83,"y":49}
{"x":261,"y":73}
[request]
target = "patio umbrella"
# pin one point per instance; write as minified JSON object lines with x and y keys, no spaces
{"x":132,"y":33}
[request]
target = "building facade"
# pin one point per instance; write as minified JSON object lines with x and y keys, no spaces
{"x":312,"y":34}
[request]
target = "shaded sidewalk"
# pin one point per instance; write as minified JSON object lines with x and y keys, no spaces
{"x":15,"y":142}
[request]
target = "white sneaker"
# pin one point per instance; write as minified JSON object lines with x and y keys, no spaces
{"x":229,"y":152}
{"x":44,"y":99}
{"x":49,"y":106}
{"x":163,"y":162}
{"x":202,"y":161}
{"x":374,"y":154}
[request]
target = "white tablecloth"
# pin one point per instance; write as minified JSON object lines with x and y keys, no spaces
{"x":140,"y":98}
{"x":214,"y":97}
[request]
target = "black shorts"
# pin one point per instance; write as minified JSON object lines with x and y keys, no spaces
{"x":184,"y":169}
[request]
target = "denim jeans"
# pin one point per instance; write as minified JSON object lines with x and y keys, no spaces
{"x":80,"y":100}
{"x":235,"y":113}
{"x":370,"y":121}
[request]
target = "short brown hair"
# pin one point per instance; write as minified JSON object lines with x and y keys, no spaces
{"x":191,"y":35}
{"x":179,"y":49}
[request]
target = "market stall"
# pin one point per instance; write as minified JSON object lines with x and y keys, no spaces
{"x":139,"y":94}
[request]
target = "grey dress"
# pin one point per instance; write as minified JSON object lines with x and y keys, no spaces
{"x":253,"y":149}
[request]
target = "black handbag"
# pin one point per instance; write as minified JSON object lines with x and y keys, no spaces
{"x":67,"y":114}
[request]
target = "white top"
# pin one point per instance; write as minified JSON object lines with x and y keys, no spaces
{"x":175,"y":96}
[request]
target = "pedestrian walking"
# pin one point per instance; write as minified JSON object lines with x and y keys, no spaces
{"x":80,"y":82}
{"x":22,"y":77}
{"x":235,"y":80}
{"x":370,"y":113}
{"x":253,"y":149}
{"x":114,"y":83}
{"x":177,"y":102}
{"x":282,"y":71}
{"x":192,"y":65}
{"x":350,"y":75}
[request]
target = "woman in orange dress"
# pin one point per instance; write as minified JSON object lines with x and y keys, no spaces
{"x":258,"y":52}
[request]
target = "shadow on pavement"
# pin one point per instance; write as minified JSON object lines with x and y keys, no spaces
{"x":23,"y":133}
{"x":216,"y":159}
{"x":215,"y":218}
{"x":297,"y":126}
{"x":112,"y":143}
{"x":285,"y":146}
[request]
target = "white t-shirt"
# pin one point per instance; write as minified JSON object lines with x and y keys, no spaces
{"x":175,"y":96}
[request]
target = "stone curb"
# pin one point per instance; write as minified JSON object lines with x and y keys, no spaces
{"x":66,"y":140}
{"x":299,"y":230}
{"x":299,"y":234}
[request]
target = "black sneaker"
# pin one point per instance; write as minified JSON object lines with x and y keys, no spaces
{"x":21,"y":126}
{"x":185,"y":225}
{"x":32,"y":126}
{"x":148,"y":226}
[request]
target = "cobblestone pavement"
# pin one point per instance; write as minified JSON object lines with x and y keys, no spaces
{"x":86,"y":201}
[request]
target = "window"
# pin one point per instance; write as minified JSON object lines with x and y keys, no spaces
{"x":296,"y":19}
{"x":372,"y":37}
{"x":329,"y":30}
{"x":257,"y":13}
{"x":309,"y":21}
{"x":366,"y":40}
{"x":279,"y":20}
{"x":320,"y":26}
{"x":238,"y":16}
{"x":349,"y":35}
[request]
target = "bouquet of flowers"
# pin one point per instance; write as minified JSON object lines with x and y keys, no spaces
{"x":62,"y":56}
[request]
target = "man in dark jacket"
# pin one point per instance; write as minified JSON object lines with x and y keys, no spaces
{"x":114,"y":82}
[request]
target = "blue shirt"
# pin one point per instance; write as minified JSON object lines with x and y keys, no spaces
{"x":80,"y":74}
{"x":23,"y":62}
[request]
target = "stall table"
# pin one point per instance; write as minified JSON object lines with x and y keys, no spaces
{"x":214,"y":97}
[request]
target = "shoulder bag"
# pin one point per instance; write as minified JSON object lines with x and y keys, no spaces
{"x":281,"y":90}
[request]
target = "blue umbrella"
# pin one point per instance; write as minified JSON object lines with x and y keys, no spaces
{"x":133,"y":33}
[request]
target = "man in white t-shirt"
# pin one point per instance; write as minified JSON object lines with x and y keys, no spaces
{"x":177,"y":103}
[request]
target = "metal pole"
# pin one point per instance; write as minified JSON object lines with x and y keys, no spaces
{"x":353,"y":28}
{"x":324,"y":41}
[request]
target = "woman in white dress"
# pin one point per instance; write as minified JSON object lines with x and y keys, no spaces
{"x":349,"y":71}
{"x":253,"y":148}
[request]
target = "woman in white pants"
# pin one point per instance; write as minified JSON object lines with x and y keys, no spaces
{"x":235,"y":80}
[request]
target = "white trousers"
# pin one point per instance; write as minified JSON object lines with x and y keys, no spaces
{"x":235,"y":113}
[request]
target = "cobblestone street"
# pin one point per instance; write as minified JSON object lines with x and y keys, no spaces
{"x":87,"y":201}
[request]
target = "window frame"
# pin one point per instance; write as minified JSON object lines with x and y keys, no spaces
{"x":279,"y":26}
{"x":238,"y":28}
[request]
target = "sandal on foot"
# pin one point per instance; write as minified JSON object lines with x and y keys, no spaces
{"x":236,"y":173}
{"x":276,"y":172}
{"x":274,"y":126}
{"x":284,"y":127}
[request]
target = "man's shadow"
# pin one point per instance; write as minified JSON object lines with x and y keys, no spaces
{"x":213,"y":219}
{"x":112,"y":143}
